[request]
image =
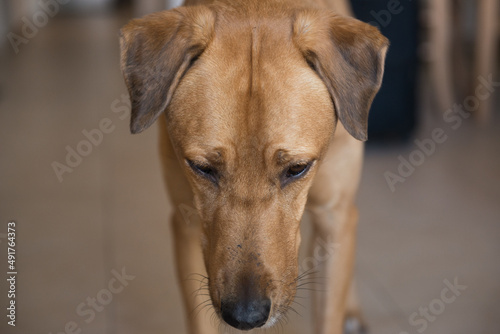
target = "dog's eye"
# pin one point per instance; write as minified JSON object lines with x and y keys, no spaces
{"x":311,"y":65}
{"x":294,"y":172}
{"x":204,"y":170}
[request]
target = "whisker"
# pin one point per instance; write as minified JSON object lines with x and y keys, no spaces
{"x":294,"y":310}
{"x":202,"y":305}
{"x":308,"y":283}
{"x":201,"y":277}
{"x":296,"y":302}
{"x":205,"y":307}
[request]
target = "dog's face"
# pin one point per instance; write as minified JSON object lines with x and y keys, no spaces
{"x":251,"y":106}
{"x":250,"y":121}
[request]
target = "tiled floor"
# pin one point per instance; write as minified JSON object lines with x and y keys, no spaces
{"x":110,"y":212}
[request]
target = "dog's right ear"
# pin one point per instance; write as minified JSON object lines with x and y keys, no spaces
{"x":155,"y":53}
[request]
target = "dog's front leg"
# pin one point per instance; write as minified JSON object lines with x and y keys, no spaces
{"x":186,"y":226}
{"x":334,"y":216}
{"x":191,"y":273}
{"x":334,"y":245}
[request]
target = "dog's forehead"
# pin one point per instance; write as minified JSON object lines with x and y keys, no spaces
{"x":251,"y":87}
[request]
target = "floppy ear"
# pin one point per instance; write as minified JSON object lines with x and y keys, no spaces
{"x":155,"y":53}
{"x":349,"y":57}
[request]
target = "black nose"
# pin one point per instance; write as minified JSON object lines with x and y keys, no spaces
{"x":246,"y":314}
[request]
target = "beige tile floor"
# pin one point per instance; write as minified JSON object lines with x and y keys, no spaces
{"x":110,"y":213}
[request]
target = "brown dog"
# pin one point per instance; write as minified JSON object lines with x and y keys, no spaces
{"x":251,"y":92}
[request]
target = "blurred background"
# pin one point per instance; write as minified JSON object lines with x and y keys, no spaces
{"x":93,"y":244}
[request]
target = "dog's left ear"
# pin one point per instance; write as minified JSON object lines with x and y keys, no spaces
{"x":349,"y":57}
{"x":155,"y":53}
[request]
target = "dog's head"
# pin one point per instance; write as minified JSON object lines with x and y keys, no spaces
{"x":251,"y":102}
